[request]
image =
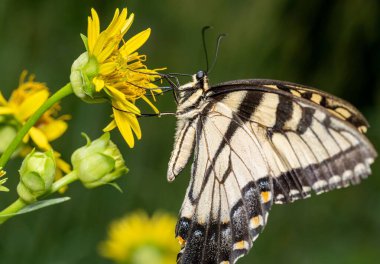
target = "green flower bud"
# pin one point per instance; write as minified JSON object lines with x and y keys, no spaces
{"x":99,"y":162}
{"x":36,"y":175}
{"x":83,"y":70}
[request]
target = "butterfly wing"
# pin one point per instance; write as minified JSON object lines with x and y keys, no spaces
{"x":258,"y":142}
{"x":309,"y":144}
{"x":230,"y":191}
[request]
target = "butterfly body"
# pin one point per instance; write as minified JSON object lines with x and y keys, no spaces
{"x":255,"y":143}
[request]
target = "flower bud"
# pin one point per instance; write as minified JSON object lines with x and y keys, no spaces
{"x":83,"y":70}
{"x":36,"y":175}
{"x":99,"y":162}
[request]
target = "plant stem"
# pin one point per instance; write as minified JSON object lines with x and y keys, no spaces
{"x":13,"y":208}
{"x":64,"y":181}
{"x":61,"y":93}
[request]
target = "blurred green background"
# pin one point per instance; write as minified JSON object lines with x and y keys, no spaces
{"x":333,"y":45}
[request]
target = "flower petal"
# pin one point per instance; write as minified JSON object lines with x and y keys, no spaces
{"x":32,"y":103}
{"x":124,"y":127}
{"x":99,"y":84}
{"x":134,"y":123}
{"x":96,"y":23}
{"x":110,"y":126}
{"x":120,"y":102}
{"x":107,"y":68}
{"x":39,"y":138}
{"x":63,"y":165}
{"x":135,"y":42}
{"x":6,"y":110}
{"x":3,"y":101}
{"x":127,"y":24}
{"x":54,"y":129}
{"x":150,"y":104}
{"x":115,"y":28}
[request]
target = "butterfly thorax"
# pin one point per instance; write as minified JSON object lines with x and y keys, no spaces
{"x":191,"y":96}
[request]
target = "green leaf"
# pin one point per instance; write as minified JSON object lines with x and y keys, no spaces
{"x":3,"y":189}
{"x":116,"y":186}
{"x":38,"y":205}
{"x":85,"y":41}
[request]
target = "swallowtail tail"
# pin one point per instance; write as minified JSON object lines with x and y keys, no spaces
{"x":256,"y":143}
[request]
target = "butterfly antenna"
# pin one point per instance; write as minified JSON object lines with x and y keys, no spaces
{"x":204,"y":43}
{"x":218,"y":41}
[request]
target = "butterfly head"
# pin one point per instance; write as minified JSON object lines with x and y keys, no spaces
{"x":191,"y":93}
{"x":200,"y":79}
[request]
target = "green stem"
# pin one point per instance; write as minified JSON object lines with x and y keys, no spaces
{"x":64,"y":181}
{"x":19,"y":204}
{"x":61,"y":93}
{"x":13,"y":208}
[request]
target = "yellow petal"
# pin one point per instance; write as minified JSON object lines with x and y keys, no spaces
{"x":114,"y":19}
{"x":128,"y":24}
{"x":124,"y":127}
{"x":150,"y":104}
{"x":26,"y":138}
{"x":6,"y":110}
{"x":93,"y":30}
{"x":99,"y":84}
{"x":63,"y":165}
{"x":32,"y":103}
{"x":3,"y":101}
{"x":107,"y":68}
{"x":96,"y":23}
{"x":116,"y":94}
{"x":136,"y":42}
{"x":110,"y":126}
{"x":39,"y":138}
{"x":134,"y":123}
{"x":54,"y":129}
{"x":91,"y":40}
{"x":121,"y":103}
{"x":115,"y":28}
{"x":107,"y":50}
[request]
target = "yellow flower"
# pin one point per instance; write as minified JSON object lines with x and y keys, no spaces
{"x":112,"y":68}
{"x":138,"y":239}
{"x":24,"y":101}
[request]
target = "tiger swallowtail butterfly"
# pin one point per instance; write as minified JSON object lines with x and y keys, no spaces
{"x":257,"y":143}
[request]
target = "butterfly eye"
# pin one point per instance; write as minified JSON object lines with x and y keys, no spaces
{"x":200,"y":75}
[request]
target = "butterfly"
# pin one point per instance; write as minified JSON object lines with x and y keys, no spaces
{"x":257,"y":143}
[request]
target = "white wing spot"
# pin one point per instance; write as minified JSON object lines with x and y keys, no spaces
{"x":334,"y":180}
{"x":319,"y":184}
{"x":347,"y":175}
{"x":360,"y":169}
